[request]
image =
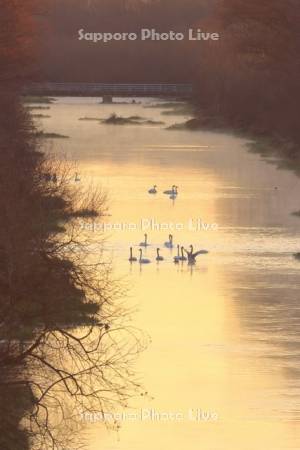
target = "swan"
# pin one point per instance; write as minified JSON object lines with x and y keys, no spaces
{"x":159,"y":258}
{"x":153,"y":190}
{"x":77,"y":177}
{"x":143,"y":260}
{"x":182,"y":257}
{"x":145,"y":242}
{"x":131,"y":257}
{"x":169,"y":243}
{"x":170,"y":191}
{"x":191,"y":256}
{"x":174,"y":194}
{"x":177,"y":258}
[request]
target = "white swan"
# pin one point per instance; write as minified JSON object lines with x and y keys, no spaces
{"x":170,"y":191}
{"x":191,"y":256}
{"x":182,"y":257}
{"x":143,"y":260}
{"x":158,"y":257}
{"x":145,"y":242}
{"x":153,"y":190}
{"x":177,"y":257}
{"x":174,"y":194}
{"x":131,"y":257}
{"x":169,"y":243}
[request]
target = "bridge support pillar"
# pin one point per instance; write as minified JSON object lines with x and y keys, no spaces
{"x":107,"y":99}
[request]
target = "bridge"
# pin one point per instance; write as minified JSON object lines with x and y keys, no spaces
{"x":110,"y":90}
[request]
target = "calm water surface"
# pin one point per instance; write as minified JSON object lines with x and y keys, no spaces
{"x":225,"y":333}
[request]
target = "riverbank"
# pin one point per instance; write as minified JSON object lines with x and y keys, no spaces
{"x":276,"y":149}
{"x":56,"y":305}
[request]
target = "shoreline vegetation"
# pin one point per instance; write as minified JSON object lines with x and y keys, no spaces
{"x":65,"y":334}
{"x":114,"y":119}
{"x":40,"y":116}
{"x":37,"y":108}
{"x":37,"y":100}
{"x":43,"y":135}
{"x":57,"y":307}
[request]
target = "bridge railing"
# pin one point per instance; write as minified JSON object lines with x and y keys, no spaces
{"x":109,"y":88}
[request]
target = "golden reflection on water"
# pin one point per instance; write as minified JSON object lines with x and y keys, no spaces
{"x":225,"y":332}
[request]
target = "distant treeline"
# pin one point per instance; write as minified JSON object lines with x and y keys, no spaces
{"x":65,"y":58}
{"x":248,"y":80}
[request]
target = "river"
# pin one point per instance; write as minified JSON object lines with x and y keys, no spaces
{"x":225,"y":333}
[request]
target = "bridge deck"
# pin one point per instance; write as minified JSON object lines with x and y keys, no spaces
{"x":100,"y":89}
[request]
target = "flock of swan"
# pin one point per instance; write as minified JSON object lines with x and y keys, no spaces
{"x":182,"y":254}
{"x":173,"y":192}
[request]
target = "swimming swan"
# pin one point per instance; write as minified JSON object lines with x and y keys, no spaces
{"x":131,"y":257}
{"x":145,"y":243}
{"x":169,"y":243}
{"x":174,"y":194}
{"x":182,"y":257}
{"x":192,"y":256}
{"x":159,"y":258}
{"x":177,"y":257}
{"x":143,"y":260}
{"x":153,"y":190}
{"x":170,"y":191}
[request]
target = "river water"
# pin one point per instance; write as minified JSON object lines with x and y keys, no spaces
{"x":225,"y":333}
